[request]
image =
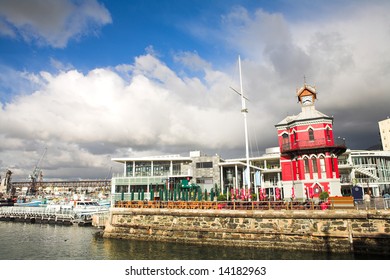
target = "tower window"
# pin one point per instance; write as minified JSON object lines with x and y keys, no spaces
{"x":307,"y":168}
{"x":322,"y":165}
{"x":328,"y":134}
{"x":314,"y":164}
{"x":311,"y":134}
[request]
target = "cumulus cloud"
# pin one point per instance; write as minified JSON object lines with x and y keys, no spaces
{"x":86,"y":117}
{"x":51,"y":23}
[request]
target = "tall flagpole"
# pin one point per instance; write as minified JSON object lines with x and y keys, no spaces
{"x":244,"y":111}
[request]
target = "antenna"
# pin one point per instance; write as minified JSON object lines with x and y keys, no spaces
{"x":244,"y":111}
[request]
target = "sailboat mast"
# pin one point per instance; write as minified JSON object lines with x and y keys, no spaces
{"x":244,"y":111}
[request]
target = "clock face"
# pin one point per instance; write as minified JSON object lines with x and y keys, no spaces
{"x":306,"y":100}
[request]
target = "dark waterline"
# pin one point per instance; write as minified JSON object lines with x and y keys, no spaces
{"x":22,"y":241}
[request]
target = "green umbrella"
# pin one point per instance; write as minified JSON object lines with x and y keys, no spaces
{"x":199,"y":194}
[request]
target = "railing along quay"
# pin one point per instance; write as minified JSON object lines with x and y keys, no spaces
{"x":239,"y":205}
{"x":44,"y":215}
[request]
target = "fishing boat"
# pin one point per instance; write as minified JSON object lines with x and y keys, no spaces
{"x":30,"y":202}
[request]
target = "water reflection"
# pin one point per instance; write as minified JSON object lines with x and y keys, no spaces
{"x":20,"y":241}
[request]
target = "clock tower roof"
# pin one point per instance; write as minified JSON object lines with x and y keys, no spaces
{"x":306,"y":97}
{"x":306,"y":93}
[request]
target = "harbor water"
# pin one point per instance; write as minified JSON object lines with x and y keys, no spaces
{"x":24,"y":241}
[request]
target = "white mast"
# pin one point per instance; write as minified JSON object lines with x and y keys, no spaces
{"x":244,"y":111}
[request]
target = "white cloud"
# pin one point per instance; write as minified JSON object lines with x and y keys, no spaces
{"x":51,"y":22}
{"x":90,"y":116}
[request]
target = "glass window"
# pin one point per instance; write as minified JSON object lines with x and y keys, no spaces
{"x":161,"y":168}
{"x":307,"y":168}
{"x":129,"y":169}
{"x":208,"y":164}
{"x":176,"y":168}
{"x":328,"y":134}
{"x":322,"y":165}
{"x":314,"y":164}
{"x":311,"y":134}
{"x":285,"y":137}
{"x":143,"y":168}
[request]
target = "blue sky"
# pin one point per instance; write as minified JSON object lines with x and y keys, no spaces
{"x":92,"y":80}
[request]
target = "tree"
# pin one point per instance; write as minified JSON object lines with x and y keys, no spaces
{"x":324,"y":196}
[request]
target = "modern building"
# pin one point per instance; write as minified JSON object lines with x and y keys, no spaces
{"x":368,"y":169}
{"x":154,"y":173}
{"x":384,"y":130}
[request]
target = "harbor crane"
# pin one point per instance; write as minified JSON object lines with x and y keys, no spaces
{"x":36,"y":175}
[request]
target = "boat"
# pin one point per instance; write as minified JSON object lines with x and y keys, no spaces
{"x":30,"y":202}
{"x":81,"y":208}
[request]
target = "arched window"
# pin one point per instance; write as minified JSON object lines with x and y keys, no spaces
{"x":328,"y":134}
{"x":307,"y":167}
{"x":311,"y":134}
{"x":332,"y":165}
{"x":314,"y":164}
{"x":285,"y":138}
{"x":322,"y":166}
{"x":285,"y":141}
{"x":295,"y":136}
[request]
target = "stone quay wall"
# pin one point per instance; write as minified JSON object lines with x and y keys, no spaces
{"x":316,"y":230}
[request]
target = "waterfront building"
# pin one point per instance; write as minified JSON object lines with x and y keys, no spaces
{"x":154,"y":173}
{"x":368,"y":169}
{"x":309,"y":151}
{"x":384,"y":130}
{"x":308,"y":161}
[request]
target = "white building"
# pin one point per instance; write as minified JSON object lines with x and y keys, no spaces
{"x":384,"y":129}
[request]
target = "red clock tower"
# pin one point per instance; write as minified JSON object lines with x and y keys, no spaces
{"x":308,"y":151}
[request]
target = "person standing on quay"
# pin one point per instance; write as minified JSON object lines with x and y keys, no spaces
{"x":367,"y":200}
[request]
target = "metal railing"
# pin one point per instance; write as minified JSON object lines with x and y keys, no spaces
{"x":376,"y":203}
{"x":310,"y":144}
{"x":37,"y":211}
{"x":64,"y":213}
{"x":226,"y":205}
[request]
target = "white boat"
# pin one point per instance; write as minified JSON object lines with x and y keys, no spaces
{"x":79,"y":207}
{"x":82,"y":210}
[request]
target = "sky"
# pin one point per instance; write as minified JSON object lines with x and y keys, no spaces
{"x":82,"y":82}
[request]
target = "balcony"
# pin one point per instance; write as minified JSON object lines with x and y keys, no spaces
{"x":336,"y":146}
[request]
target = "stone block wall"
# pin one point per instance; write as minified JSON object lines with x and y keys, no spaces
{"x":332,"y":230}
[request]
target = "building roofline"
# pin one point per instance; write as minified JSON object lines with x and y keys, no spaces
{"x":152,"y":158}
